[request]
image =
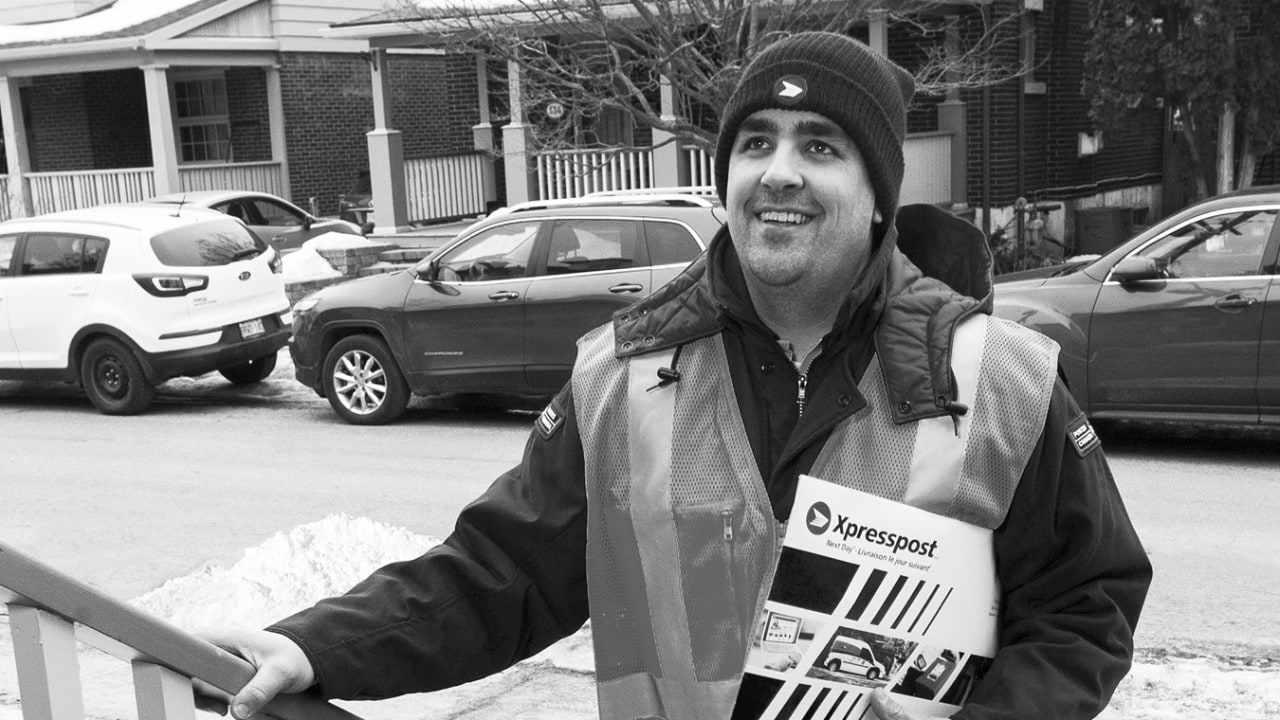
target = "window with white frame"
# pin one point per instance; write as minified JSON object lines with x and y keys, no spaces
{"x":200,"y":113}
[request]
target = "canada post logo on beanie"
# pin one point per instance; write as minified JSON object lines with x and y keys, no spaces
{"x":818,"y":519}
{"x":790,"y":89}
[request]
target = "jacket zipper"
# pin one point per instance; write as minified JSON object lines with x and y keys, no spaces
{"x":802,"y":383}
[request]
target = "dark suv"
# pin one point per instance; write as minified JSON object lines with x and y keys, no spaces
{"x":498,"y":309}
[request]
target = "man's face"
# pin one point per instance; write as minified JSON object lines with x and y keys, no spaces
{"x":800,"y":203}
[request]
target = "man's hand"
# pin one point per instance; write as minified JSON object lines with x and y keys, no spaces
{"x":281,"y":665}
{"x":886,"y":708}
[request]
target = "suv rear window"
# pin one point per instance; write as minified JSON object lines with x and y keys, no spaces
{"x":204,"y":244}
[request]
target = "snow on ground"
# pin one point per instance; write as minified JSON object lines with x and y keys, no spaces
{"x":291,"y":570}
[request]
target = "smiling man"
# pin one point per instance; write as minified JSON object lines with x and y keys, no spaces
{"x":824,"y":332}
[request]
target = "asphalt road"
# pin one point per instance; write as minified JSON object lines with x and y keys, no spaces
{"x":127,"y":503}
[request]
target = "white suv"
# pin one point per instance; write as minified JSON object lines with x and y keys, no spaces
{"x":120,"y":298}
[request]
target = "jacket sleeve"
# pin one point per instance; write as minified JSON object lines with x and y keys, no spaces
{"x":1074,"y":576}
{"x":508,"y":582}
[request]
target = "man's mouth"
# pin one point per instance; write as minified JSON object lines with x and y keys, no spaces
{"x":785,"y":218}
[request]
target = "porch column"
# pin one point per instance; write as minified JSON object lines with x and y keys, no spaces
{"x":670,"y":168}
{"x":521,"y":181}
{"x":951,"y":117}
{"x":17,"y":152}
{"x":275,"y":119}
{"x":386,"y":153}
{"x":878,"y":32}
{"x":482,"y":133}
{"x":164,"y":143}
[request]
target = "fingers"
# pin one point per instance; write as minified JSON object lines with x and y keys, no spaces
{"x":886,"y":708}
{"x":281,"y":667}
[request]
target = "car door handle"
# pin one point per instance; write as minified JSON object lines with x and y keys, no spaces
{"x":504,"y":295}
{"x":78,"y":292}
{"x":1235,"y":301}
{"x":626,"y":288}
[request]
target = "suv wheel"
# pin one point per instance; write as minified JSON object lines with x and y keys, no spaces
{"x":113,"y":379}
{"x":363,"y":383}
{"x":251,"y":372}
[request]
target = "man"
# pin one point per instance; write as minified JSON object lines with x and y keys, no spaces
{"x":651,"y":493}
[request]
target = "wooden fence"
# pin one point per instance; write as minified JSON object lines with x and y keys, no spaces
{"x":574,"y":173}
{"x":441,"y":188}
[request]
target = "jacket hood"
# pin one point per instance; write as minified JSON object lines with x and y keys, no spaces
{"x":938,"y":273}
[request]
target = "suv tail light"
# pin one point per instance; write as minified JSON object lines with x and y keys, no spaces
{"x":162,"y":285}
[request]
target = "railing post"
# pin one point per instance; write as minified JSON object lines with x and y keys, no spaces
{"x":162,"y":694}
{"x":44,"y":646}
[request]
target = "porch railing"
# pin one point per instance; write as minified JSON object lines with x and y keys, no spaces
{"x":574,"y":173}
{"x":701,"y":170}
{"x":49,"y":612}
{"x":441,"y":188}
{"x":5,"y":213}
{"x":260,"y":176}
{"x":55,"y":191}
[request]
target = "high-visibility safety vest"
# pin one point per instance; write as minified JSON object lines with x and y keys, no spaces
{"x":681,"y":537}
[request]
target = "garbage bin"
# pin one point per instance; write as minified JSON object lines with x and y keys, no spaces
{"x":1099,"y":229}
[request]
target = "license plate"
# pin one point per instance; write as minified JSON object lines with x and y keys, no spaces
{"x":250,"y":328}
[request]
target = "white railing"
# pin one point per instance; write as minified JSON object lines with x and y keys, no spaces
{"x":55,"y":191}
{"x":701,"y":170}
{"x":440,"y":188}
{"x":926,"y":174}
{"x":49,"y":612}
{"x":259,"y":176}
{"x":574,"y":173}
{"x":5,"y":213}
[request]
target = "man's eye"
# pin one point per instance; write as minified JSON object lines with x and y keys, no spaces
{"x":821,"y":148}
{"x":755,"y":143}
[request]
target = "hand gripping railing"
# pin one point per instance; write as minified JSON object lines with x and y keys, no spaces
{"x":49,"y":611}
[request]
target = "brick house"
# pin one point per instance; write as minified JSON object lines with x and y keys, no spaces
{"x":1029,"y":138}
{"x":117,"y":101}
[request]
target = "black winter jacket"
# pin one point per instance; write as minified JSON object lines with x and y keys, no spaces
{"x":511,"y":578}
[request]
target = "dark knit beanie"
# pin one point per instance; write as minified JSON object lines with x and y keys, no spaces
{"x":841,"y":79}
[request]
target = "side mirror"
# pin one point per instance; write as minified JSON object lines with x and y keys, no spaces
{"x":427,"y":273}
{"x":306,"y":223}
{"x":1135,"y":268}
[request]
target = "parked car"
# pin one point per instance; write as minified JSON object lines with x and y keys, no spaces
{"x":281,"y":223}
{"x":1180,"y":322}
{"x":853,"y":657}
{"x":120,"y":298}
{"x":498,"y":309}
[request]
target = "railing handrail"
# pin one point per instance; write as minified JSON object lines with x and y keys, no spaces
{"x":77,"y":173}
{"x":122,"y":630}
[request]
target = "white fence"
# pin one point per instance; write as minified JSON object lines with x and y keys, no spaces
{"x":439,"y":188}
{"x":68,"y":190}
{"x":55,"y":191}
{"x":574,"y":173}
{"x":701,"y":167}
{"x":260,"y":176}
{"x":4,"y":198}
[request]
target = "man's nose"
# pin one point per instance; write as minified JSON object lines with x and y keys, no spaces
{"x":783,"y":170}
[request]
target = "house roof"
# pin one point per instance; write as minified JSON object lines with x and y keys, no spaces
{"x":123,"y":19}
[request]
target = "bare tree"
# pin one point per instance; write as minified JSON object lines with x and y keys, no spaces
{"x":596,"y":58}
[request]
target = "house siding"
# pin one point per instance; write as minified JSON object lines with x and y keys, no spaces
{"x":328,"y":108}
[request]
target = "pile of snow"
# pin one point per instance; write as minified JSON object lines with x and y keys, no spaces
{"x":306,"y":263}
{"x":284,"y":574}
